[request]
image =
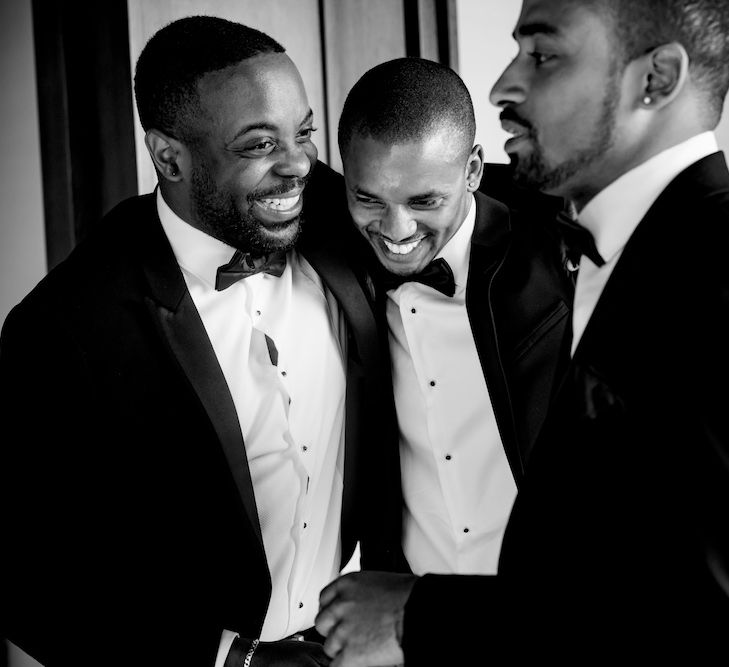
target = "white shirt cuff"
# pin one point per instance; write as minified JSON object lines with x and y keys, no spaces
{"x":226,"y":641}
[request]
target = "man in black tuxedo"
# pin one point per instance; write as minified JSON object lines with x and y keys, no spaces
{"x":192,"y":401}
{"x":475,"y":348}
{"x":618,"y":544}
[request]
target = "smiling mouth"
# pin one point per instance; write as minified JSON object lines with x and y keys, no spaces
{"x":279,"y":204}
{"x":402,"y":248}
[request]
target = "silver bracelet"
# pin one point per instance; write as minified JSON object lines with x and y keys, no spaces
{"x":249,"y":655}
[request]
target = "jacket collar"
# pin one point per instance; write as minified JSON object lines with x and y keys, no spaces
{"x":179,"y":325}
{"x":164,"y":277}
{"x":493,"y":224}
{"x":658,"y":236}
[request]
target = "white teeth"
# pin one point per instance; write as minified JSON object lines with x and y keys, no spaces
{"x":402,"y":248}
{"x":280,"y":204}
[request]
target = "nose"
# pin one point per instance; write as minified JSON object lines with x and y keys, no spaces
{"x":295,"y":160}
{"x":510,"y":88}
{"x":397,"y":223}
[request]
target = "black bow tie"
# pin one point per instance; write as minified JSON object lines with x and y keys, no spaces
{"x":577,"y":241}
{"x":437,"y":275}
{"x":244,"y":264}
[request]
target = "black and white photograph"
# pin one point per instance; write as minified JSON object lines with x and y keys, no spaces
{"x":364,"y":333}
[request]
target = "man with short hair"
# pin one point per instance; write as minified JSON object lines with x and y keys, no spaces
{"x":617,"y":548}
{"x":192,"y":390}
{"x":474,"y":300}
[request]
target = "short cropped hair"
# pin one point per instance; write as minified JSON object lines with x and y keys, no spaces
{"x":177,"y":56}
{"x":701,"y":26}
{"x":406,"y":100}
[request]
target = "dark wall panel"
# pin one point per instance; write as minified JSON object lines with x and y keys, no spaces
{"x":85,"y":115}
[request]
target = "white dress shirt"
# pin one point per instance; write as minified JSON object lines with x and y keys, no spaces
{"x":457,"y":484}
{"x":291,"y":415}
{"x":614,"y":213}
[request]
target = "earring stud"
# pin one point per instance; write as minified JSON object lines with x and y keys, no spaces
{"x":647,"y":100}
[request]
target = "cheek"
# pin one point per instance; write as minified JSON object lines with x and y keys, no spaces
{"x":246,"y":181}
{"x":361,"y":221}
{"x":439,"y":226}
{"x":565,"y":117}
{"x":361,"y":216}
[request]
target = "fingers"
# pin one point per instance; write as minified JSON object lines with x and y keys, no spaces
{"x":329,"y":615}
{"x":333,"y":644}
{"x":328,"y":618}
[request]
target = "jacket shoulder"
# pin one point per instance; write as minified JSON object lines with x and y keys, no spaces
{"x":95,"y":260}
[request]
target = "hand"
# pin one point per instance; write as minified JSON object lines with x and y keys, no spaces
{"x":289,"y":653}
{"x":361,"y":615}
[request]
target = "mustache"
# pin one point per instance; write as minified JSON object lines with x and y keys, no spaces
{"x":294,"y":183}
{"x":509,"y":114}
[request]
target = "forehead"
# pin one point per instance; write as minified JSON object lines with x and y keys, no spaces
{"x":381,"y":167}
{"x":561,"y":18}
{"x":266,"y":90}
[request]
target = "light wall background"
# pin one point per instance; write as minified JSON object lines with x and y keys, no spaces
{"x":485,"y":48}
{"x":22,"y":234}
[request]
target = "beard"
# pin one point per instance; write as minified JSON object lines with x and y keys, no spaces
{"x":533,"y":170}
{"x":219,"y":215}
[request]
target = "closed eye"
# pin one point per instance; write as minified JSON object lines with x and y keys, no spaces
{"x":305,"y":133}
{"x":367,"y":201}
{"x":425,"y":204}
{"x":261,"y":147}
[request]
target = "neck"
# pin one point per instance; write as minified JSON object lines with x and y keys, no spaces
{"x":178,"y":201}
{"x":629,"y":153}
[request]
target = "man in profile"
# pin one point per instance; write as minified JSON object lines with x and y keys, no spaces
{"x":618,"y":544}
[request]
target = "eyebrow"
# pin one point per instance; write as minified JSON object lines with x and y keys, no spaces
{"x":536,"y":28}
{"x":267,"y":126}
{"x":432,"y":194}
{"x":364,"y":193}
{"x":426,"y":195}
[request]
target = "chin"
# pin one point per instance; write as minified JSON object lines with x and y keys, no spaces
{"x":402,"y":268}
{"x":282,"y":241}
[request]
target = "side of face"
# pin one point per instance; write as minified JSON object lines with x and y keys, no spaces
{"x":409,"y":199}
{"x":253,"y":154}
{"x":562,"y":98}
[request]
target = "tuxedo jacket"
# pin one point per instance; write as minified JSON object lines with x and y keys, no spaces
{"x":517,"y":298}
{"x":130,"y":518}
{"x":618,"y":543}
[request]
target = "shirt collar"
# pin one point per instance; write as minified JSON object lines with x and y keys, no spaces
{"x":614,"y":213}
{"x":195,"y":251}
{"x":456,"y":251}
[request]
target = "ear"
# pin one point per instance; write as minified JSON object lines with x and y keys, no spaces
{"x":170,"y":156}
{"x":474,"y":168}
{"x":666,"y":74}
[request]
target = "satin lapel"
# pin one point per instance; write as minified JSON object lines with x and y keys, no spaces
{"x":489,"y":245}
{"x":180,"y":326}
{"x":336,"y":273}
{"x":643,"y":256}
{"x":362,"y":361}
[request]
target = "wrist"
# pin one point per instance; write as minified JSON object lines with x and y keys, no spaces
{"x":249,"y":654}
{"x":241,"y":652}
